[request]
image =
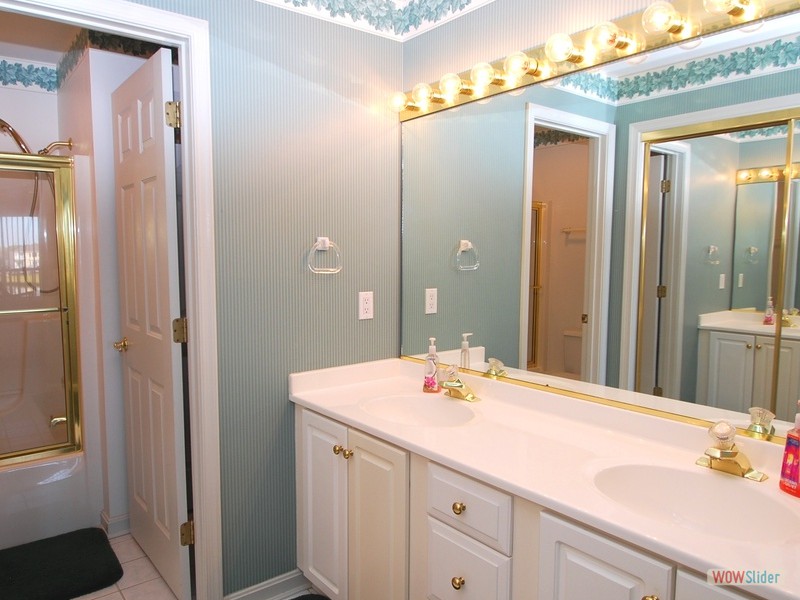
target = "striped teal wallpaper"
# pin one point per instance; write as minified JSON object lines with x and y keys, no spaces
{"x":303,"y":146}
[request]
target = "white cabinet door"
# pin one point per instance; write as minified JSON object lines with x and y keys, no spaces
{"x":378,"y":519}
{"x":322,"y":503}
{"x":692,"y":587}
{"x":788,"y":378}
{"x":730,"y":370}
{"x":576,"y":564}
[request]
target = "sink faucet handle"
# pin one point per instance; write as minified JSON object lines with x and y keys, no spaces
{"x":761,"y":423}
{"x":723,"y":434}
{"x":451,"y":373}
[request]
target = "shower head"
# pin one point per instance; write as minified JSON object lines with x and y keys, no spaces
{"x":17,"y":137}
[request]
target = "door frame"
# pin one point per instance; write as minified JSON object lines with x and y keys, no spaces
{"x":190,"y":37}
{"x":598,"y":242}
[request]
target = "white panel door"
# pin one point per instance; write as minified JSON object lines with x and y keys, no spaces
{"x":149,"y":300}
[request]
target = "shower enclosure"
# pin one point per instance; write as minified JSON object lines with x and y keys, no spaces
{"x":39,"y":402}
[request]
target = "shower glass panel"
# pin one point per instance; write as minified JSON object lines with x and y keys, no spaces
{"x":38,"y":358}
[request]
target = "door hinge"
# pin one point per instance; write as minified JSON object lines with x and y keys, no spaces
{"x":666,"y":186}
{"x":661,"y":291}
{"x":657,"y":391}
{"x":180,"y":330}
{"x":187,"y":533}
{"x":584,"y":318}
{"x":173,"y":114}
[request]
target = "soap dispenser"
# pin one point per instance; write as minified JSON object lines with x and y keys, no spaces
{"x":465,"y":350}
{"x":430,"y":382}
{"x":769,"y":314}
{"x":790,"y":468}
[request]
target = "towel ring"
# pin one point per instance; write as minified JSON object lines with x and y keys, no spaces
{"x":466,"y":256}
{"x":323,"y":244}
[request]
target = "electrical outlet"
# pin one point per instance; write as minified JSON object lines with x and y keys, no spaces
{"x":430,"y":301}
{"x":366,"y":307}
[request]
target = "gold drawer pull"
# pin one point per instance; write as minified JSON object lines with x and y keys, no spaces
{"x":458,"y":508}
{"x":458,"y":583}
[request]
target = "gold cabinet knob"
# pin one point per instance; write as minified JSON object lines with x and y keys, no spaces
{"x":758,"y":346}
{"x":122,"y":345}
{"x":649,"y":597}
{"x":458,"y":583}
{"x":748,"y":346}
{"x":459,"y":507}
{"x":338,"y":449}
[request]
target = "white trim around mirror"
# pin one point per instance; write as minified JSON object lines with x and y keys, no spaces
{"x":598,"y":247}
{"x":633,"y":209}
{"x":190,"y":37}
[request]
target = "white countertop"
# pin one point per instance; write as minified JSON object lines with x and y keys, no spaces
{"x":547,"y":448}
{"x":746,"y":321}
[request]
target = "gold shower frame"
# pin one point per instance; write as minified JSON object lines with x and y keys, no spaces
{"x":61,"y":168}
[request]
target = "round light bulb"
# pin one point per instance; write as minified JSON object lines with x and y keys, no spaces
{"x":765,"y":173}
{"x":398,"y":102}
{"x":421,"y":94}
{"x":604,"y":36}
{"x":660,"y":17}
{"x":450,"y":85}
{"x":751,"y":10}
{"x":744,"y":176}
{"x":559,"y":47}
{"x":516,"y":65}
{"x":718,"y":7}
{"x":482,"y":74}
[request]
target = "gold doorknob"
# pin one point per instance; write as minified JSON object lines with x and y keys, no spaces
{"x":649,"y":597}
{"x":459,"y":507}
{"x":458,"y":583}
{"x":122,"y":345}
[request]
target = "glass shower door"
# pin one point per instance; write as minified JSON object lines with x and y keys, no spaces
{"x":38,"y":382}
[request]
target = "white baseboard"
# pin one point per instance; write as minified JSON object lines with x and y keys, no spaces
{"x":117,"y":525}
{"x":282,"y":587}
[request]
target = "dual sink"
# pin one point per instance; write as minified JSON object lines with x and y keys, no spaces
{"x":689,"y":496}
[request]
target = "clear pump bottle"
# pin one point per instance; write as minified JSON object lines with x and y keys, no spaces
{"x":430,"y":383}
{"x":465,"y":350}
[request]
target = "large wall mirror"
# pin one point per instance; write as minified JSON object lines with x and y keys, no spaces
{"x":547,"y":186}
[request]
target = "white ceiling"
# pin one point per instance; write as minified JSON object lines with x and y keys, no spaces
{"x":34,"y":40}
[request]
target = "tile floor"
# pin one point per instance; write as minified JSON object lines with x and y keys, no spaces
{"x":140,"y":580}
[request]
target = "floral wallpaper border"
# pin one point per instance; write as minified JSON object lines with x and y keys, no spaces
{"x":384,"y":16}
{"x":776,"y":55}
{"x":15,"y":74}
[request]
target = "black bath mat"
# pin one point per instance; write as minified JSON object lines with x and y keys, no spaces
{"x":59,"y":568}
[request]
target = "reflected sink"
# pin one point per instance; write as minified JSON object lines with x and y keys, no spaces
{"x":703,"y":500}
{"x":424,"y":410}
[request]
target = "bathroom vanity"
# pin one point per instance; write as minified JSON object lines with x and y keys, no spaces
{"x":735,"y":360}
{"x":526,"y":494}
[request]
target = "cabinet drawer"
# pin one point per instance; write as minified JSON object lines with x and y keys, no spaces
{"x":471,"y":507}
{"x":484,"y":573}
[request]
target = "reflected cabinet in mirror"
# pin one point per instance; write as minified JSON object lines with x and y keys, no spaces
{"x":625,"y":219}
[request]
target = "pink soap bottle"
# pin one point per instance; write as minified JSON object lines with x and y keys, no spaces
{"x":790,"y":468}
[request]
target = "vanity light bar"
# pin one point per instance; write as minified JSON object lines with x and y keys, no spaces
{"x":762,"y":174}
{"x":655,"y":27}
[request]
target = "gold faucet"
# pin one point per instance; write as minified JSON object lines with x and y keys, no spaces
{"x":725,"y":456}
{"x":495,"y":369}
{"x":456,"y":388}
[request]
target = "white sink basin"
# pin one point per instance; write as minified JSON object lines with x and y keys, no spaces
{"x":703,"y":500}
{"x":424,"y":410}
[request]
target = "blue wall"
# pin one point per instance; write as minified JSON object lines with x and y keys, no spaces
{"x":303,"y":145}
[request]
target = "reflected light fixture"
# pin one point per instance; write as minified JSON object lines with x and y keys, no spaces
{"x":560,"y":48}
